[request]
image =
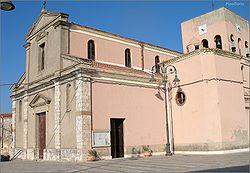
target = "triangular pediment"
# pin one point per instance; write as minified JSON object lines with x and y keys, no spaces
{"x":39,"y":100}
{"x":46,"y":18}
{"x":19,"y":84}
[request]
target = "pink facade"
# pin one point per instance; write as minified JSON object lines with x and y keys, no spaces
{"x":112,"y":50}
{"x":214,"y":113}
{"x":132,"y":104}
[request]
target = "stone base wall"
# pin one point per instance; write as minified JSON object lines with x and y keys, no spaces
{"x":129,"y":151}
{"x":70,"y":155}
{"x":212,"y":146}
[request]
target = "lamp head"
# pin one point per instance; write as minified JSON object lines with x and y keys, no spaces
{"x":152,"y":78}
{"x":176,"y":79}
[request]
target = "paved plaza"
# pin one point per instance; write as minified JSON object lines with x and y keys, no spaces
{"x":237,"y":162}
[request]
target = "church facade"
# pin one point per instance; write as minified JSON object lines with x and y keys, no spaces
{"x":89,"y":89}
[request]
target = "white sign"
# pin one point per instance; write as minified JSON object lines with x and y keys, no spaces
{"x":202,"y":29}
{"x":101,"y":138}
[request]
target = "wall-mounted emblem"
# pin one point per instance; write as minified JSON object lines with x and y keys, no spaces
{"x":202,"y":29}
{"x":180,"y":98}
{"x":238,"y":28}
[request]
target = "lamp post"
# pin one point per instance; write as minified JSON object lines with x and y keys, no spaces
{"x":7,"y":5}
{"x":164,"y":71}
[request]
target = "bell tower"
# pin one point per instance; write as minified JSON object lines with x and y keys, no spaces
{"x":220,"y":28}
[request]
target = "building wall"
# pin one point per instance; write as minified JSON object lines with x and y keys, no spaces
{"x":213,"y":117}
{"x":113,"y":50}
{"x":214,"y":105}
{"x":6,"y":133}
{"x":143,"y":112}
{"x":234,"y":121}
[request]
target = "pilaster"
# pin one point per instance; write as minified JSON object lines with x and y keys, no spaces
{"x":25,"y":124}
{"x":83,"y":118}
{"x":79,"y":113}
{"x":57,"y":109}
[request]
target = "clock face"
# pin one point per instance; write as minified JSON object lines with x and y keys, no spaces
{"x":237,"y":28}
{"x":202,"y":29}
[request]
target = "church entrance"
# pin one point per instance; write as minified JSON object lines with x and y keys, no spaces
{"x":117,"y":142}
{"x":41,"y":133}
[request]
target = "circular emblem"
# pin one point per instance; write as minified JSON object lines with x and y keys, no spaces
{"x":180,"y":98}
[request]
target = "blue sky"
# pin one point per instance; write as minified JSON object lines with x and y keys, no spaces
{"x":156,"y":22}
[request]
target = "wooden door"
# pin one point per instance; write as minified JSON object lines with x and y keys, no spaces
{"x":117,"y":142}
{"x":41,"y":133}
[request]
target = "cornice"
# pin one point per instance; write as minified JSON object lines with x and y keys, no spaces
{"x":202,"y":52}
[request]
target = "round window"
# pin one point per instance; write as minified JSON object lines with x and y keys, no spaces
{"x":180,"y":98}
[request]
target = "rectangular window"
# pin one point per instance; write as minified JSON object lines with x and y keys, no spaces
{"x":20,"y":111}
{"x":41,"y":56}
{"x":196,"y":47}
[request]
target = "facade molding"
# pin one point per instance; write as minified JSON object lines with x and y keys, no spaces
{"x":203,"y":51}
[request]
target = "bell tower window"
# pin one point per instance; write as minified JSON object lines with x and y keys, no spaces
{"x":218,"y":42}
{"x":204,"y":43}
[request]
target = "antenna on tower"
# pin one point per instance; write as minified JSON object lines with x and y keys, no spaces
{"x":212,"y":4}
{"x":44,"y":6}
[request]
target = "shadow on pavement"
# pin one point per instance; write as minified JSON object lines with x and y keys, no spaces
{"x":243,"y":168}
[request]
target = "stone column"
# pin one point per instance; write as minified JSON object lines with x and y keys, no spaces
{"x":57,"y":99}
{"x":25,"y":125}
{"x":83,"y":118}
{"x":13,"y":125}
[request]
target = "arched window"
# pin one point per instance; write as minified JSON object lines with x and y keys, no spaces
{"x":41,"y":57}
{"x":239,"y":45}
{"x":68,"y":96}
{"x":20,"y":110}
{"x":91,"y":50}
{"x":242,"y":72}
{"x":218,"y":41}
{"x":157,"y":65}
{"x":246,"y":44}
{"x":231,"y":37}
{"x":127,"y":58}
{"x":204,"y":43}
{"x":246,"y":49}
{"x":232,"y":43}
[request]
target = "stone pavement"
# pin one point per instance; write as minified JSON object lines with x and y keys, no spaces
{"x":237,"y":162}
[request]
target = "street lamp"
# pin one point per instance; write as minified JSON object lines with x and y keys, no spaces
{"x":164,"y":71}
{"x":7,"y":5}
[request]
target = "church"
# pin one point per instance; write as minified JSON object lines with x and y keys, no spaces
{"x":84,"y":89}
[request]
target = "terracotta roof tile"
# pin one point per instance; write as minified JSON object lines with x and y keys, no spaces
{"x":132,"y":70}
{"x":6,"y":115}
